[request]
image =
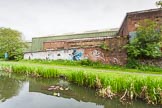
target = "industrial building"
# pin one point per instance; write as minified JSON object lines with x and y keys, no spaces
{"x":105,"y":46}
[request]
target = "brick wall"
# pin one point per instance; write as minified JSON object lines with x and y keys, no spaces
{"x":113,"y":54}
{"x":74,"y":43}
{"x":55,"y":45}
{"x":132,"y":19}
{"x":152,"y":62}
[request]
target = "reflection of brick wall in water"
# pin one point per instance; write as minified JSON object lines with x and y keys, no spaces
{"x":113,"y":54}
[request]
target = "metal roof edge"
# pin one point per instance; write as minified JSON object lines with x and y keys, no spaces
{"x":77,"y":34}
{"x":78,"y":39}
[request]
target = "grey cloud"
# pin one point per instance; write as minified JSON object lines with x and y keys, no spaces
{"x":43,"y":17}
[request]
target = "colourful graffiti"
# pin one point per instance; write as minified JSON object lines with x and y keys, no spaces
{"x":76,"y":55}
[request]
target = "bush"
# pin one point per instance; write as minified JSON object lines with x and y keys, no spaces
{"x":146,"y":43}
{"x":132,"y":63}
{"x":88,"y":62}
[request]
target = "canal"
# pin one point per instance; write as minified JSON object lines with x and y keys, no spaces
{"x":17,"y":91}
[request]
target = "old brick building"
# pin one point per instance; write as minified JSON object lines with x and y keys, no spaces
{"x":105,"y":46}
{"x":132,"y":19}
{"x":75,"y":43}
{"x":103,"y":49}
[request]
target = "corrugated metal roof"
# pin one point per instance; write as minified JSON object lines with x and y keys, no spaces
{"x":37,"y":42}
{"x":81,"y":39}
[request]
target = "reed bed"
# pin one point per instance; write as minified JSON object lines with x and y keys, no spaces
{"x":127,"y":86}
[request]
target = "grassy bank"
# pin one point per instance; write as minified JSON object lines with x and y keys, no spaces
{"x":127,"y":86}
{"x":132,"y":66}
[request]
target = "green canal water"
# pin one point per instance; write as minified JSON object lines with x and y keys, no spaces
{"x":20,"y":92}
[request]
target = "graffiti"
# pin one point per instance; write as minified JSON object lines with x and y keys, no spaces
{"x":76,"y":55}
{"x":98,"y":55}
{"x":114,"y":61}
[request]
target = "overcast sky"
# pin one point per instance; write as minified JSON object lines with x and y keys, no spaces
{"x":45,"y":17}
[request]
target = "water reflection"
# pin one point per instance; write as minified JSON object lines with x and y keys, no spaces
{"x":20,"y":92}
{"x":9,"y":87}
{"x":82,"y":94}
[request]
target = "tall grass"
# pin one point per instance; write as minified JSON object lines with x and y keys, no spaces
{"x":85,"y":63}
{"x":132,"y":65}
{"x":35,"y":71}
{"x":146,"y":87}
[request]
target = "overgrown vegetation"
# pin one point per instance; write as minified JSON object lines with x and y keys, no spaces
{"x":104,"y":46}
{"x":146,"y":43}
{"x":124,"y":85}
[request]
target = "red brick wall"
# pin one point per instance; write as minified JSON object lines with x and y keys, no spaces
{"x":132,"y":19}
{"x":66,"y":44}
{"x":135,"y":18}
{"x":98,"y":54}
{"x":114,"y":54}
{"x":55,"y":45}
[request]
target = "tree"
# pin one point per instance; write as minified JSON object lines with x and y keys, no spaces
{"x":146,"y":44}
{"x":159,"y":3}
{"x":11,"y":43}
